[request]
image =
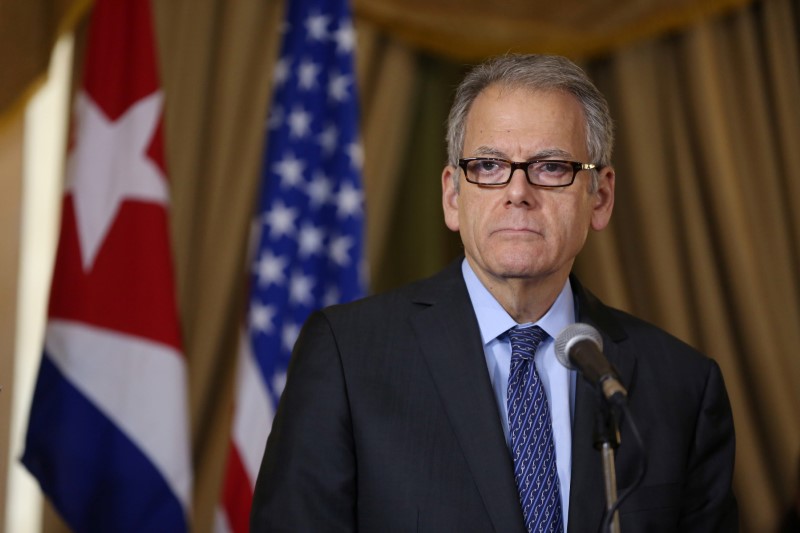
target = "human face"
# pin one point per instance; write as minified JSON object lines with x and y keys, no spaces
{"x":520,"y":231}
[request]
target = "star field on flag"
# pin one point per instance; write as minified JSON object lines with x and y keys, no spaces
{"x":309,"y":225}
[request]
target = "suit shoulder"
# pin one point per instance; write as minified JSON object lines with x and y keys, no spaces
{"x":401,"y":301}
{"x":375,"y":305}
{"x":635,"y":335}
{"x":654,"y":345}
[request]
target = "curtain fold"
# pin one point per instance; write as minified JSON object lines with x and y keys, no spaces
{"x":217,"y":60}
{"x":387,"y":89}
{"x":28,"y":31}
{"x":705,"y":200}
{"x":416,"y":242}
{"x":11,"y":192}
{"x":472,"y":29}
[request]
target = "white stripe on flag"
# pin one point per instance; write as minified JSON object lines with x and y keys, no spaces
{"x":254,"y":412}
{"x":138,"y":384}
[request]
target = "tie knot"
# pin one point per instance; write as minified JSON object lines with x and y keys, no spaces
{"x":525,"y":340}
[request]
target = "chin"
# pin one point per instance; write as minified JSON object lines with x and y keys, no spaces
{"x":510,"y":262}
{"x":518,"y":267}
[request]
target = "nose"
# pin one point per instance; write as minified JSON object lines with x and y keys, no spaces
{"x":518,"y":190}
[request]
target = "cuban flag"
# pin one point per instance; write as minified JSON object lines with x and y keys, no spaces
{"x":108,"y":436}
{"x":309,"y":226}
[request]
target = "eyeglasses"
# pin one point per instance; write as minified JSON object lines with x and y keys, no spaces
{"x":494,"y":172}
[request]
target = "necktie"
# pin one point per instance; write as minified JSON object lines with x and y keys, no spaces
{"x":531,"y":431}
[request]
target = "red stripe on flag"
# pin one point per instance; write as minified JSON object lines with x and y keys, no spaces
{"x":130,"y":287}
{"x":237,"y":493}
{"x":123,"y":33}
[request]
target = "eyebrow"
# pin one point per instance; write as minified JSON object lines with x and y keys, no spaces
{"x":488,"y":151}
{"x":553,"y":152}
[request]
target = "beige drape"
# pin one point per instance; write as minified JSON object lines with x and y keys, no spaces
{"x":473,"y":29}
{"x":705,"y":239}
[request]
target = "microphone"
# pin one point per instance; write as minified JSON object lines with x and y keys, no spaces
{"x":580,"y":347}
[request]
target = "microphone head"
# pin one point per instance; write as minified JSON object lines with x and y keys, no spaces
{"x":570,"y":335}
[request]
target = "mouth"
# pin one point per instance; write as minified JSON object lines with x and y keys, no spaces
{"x":516,"y":231}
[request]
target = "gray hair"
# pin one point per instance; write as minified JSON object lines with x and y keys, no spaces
{"x":538,"y":73}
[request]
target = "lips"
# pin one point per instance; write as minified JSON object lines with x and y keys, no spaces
{"x":520,"y":231}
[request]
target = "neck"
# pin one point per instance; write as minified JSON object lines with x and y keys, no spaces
{"x":524,"y":299}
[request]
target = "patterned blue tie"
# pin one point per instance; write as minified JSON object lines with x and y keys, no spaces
{"x":531,"y":431}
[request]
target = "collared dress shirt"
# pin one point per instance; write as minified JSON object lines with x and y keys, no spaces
{"x":558,"y":381}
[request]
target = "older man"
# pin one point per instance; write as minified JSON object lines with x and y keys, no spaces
{"x":441,"y":406}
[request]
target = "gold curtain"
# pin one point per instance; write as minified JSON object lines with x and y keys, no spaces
{"x":705,"y":239}
{"x":474,"y":29}
{"x":216,"y":65}
{"x":28,"y":31}
{"x":10,"y":227}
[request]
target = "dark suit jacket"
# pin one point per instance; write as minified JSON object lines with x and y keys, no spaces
{"x":388,"y":423}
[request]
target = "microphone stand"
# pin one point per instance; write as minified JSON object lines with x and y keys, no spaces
{"x":606,"y":440}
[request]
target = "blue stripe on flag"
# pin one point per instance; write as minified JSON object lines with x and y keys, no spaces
{"x":105,"y":482}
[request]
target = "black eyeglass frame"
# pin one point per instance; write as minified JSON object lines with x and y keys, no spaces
{"x":576,"y":167}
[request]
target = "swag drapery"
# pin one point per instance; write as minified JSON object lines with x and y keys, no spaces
{"x":705,"y":238}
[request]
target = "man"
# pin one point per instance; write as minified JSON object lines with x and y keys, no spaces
{"x":402,"y":412}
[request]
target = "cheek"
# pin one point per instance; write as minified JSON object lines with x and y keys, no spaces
{"x":573,"y":225}
{"x":466,"y":224}
{"x":471,"y":223}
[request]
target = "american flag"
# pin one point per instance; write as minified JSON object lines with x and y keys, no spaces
{"x":108,"y":436}
{"x":309,"y":225}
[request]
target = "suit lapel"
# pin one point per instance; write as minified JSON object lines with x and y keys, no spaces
{"x":587,"y":493}
{"x":449,"y":338}
{"x":448,"y":335}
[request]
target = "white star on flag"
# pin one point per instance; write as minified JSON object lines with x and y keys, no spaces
{"x":348,"y":201}
{"x":309,"y":240}
{"x":300,"y":287}
{"x":279,"y":381}
{"x":280,"y":220}
{"x":108,"y":165}
{"x":319,"y":190}
{"x":328,"y":138}
{"x":356,"y":153}
{"x":339,"y":250}
{"x":338,"y":87}
{"x":345,"y":38}
{"x":317,"y":27}
{"x":307,"y":74}
{"x":281,"y":71}
{"x":270,"y":269}
{"x":290,"y":169}
{"x":261,"y":317}
{"x":289,"y":334}
{"x":299,"y":123}
{"x":332,"y":296}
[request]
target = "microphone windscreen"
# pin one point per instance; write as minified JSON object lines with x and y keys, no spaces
{"x":570,"y":335}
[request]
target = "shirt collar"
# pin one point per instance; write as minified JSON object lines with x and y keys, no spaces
{"x":493,"y":320}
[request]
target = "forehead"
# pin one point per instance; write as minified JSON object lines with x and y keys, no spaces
{"x":514,"y":119}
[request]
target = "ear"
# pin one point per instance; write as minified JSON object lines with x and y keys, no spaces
{"x":450,"y":197}
{"x":603,"y":200}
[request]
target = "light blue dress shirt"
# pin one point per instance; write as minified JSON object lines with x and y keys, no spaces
{"x":558,"y":381}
